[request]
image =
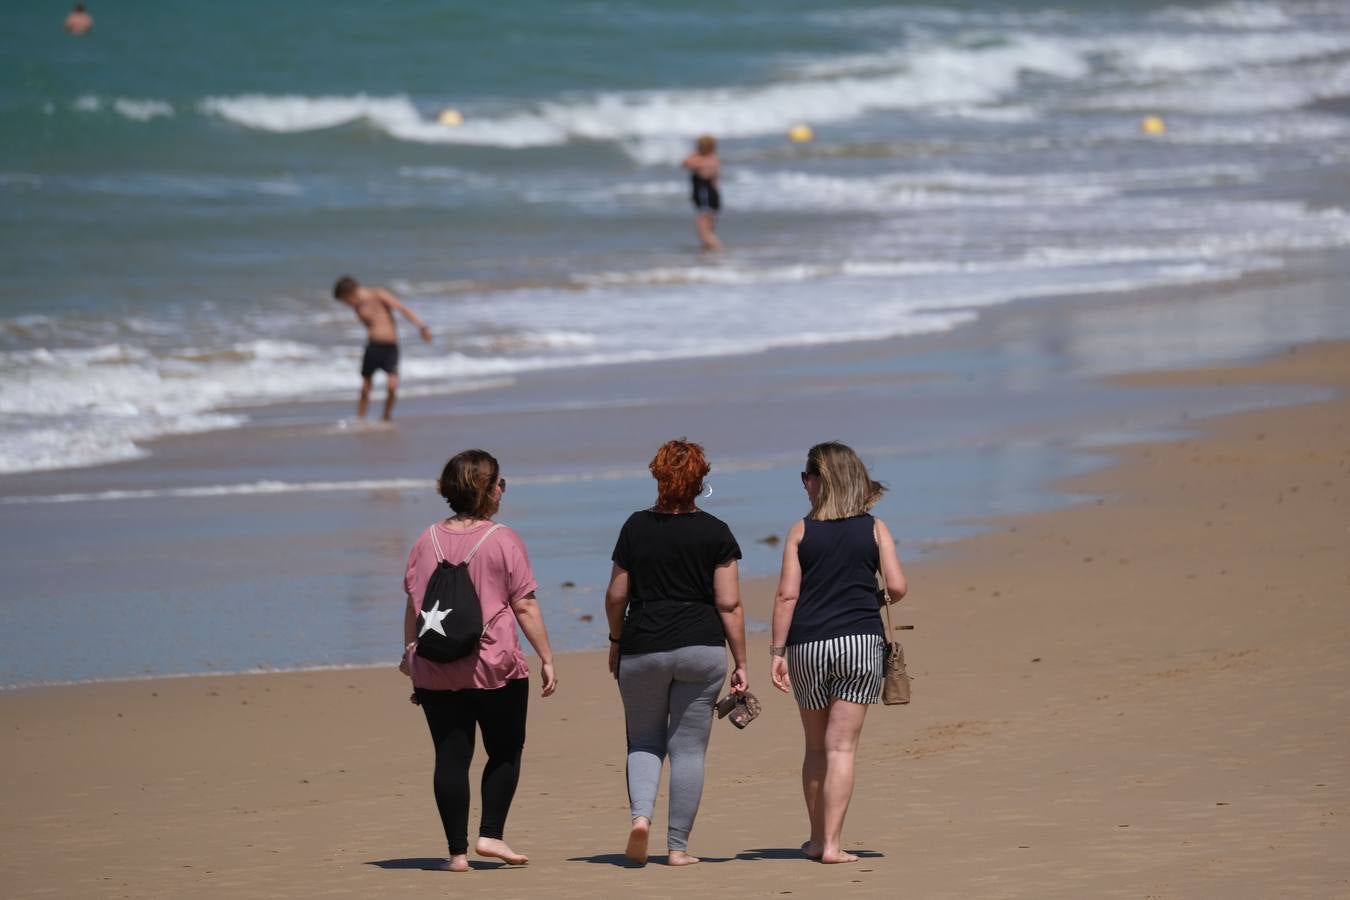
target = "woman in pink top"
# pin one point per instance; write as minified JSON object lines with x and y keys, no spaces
{"x":488,"y":689}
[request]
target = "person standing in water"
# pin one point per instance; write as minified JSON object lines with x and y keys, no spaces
{"x":79,"y":21}
{"x":705,"y":173}
{"x":375,"y":308}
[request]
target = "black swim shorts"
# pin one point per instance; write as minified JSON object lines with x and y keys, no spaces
{"x":705,"y":196}
{"x":379,"y":355}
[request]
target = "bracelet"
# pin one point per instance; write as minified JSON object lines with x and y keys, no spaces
{"x":778,"y":651}
{"x":613,"y":639}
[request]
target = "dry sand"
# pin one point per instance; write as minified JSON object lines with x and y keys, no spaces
{"x":1147,"y":695}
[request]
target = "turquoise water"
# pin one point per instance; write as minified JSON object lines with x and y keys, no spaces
{"x":179,"y":189}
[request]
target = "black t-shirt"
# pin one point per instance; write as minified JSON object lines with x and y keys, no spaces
{"x":670,"y":558}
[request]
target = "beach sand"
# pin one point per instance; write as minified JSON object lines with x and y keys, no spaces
{"x":1144,"y":695}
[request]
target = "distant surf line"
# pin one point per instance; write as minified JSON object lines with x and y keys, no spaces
{"x":275,"y":487}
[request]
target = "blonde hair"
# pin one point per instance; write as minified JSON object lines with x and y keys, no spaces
{"x":846,"y":489}
{"x":706,"y":144}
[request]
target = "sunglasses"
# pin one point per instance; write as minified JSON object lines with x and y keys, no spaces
{"x":806,"y":475}
{"x":501,"y":483}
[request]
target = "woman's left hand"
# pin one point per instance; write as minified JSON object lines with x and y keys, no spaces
{"x":739,"y":682}
{"x":614,"y":660}
{"x":778,"y":672}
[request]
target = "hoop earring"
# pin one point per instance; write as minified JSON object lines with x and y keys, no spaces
{"x":708,"y":490}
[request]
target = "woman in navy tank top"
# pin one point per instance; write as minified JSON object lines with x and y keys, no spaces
{"x":828,"y":641}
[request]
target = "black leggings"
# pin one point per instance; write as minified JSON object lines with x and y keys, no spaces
{"x":452,"y":717}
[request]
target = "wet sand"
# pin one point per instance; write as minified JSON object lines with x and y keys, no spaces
{"x":1145,"y":695}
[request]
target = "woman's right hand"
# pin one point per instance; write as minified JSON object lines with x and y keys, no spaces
{"x":778,"y":671}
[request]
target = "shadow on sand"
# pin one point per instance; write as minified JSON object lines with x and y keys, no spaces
{"x":796,"y":853}
{"x":435,"y":864}
{"x":620,"y":861}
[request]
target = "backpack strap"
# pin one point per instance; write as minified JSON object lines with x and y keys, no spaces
{"x":440,"y":553}
{"x":485,"y":536}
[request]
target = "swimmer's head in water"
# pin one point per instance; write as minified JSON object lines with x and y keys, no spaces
{"x":345,"y":287}
{"x":707,"y":144}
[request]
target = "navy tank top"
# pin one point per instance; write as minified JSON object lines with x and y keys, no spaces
{"x":838,"y":594}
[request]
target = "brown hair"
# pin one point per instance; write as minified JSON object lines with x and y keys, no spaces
{"x":706,"y":144}
{"x":846,"y":489}
{"x":466,"y":483}
{"x":345,"y":285}
{"x":678,"y":467}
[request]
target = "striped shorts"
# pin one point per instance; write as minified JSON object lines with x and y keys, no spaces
{"x":844,"y":668}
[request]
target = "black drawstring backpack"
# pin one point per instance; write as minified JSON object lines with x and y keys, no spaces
{"x":452,"y":617}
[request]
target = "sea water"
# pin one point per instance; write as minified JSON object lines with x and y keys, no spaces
{"x":180,"y":188}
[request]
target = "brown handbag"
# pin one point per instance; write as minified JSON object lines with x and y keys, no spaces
{"x":895,"y":680}
{"x":742,"y":708}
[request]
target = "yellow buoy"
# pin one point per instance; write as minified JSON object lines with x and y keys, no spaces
{"x":451,"y":117}
{"x":1152,"y":125}
{"x":800,"y":133}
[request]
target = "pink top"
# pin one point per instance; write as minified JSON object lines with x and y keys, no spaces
{"x":501,"y":575}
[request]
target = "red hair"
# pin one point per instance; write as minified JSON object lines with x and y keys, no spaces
{"x":678,"y":467}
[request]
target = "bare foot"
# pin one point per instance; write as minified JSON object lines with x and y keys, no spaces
{"x":837,"y":856}
{"x":459,"y":863}
{"x":499,"y":850}
{"x":680,"y":858}
{"x":636,"y":851}
{"x":811,"y":849}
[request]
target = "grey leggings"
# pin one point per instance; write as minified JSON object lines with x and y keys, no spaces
{"x":668,"y":702}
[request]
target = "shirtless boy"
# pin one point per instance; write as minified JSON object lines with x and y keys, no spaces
{"x":375,"y":308}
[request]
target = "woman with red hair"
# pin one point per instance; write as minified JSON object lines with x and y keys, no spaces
{"x":673,"y":605}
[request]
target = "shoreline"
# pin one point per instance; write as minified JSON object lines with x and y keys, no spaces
{"x":1143,"y":694}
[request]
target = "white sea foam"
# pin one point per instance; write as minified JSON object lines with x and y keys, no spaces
{"x":275,"y":487}
{"x":81,"y":406}
{"x":1268,"y":130}
{"x":70,"y":406}
{"x":914,"y":191}
{"x":1239,"y":14}
{"x":395,"y":115}
{"x":294,"y":113}
{"x":142,"y":110}
{"x":974,"y":79}
{"x":1179,"y":53}
{"x":933,"y":77}
{"x":138,"y":109}
{"x":65,"y":407}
